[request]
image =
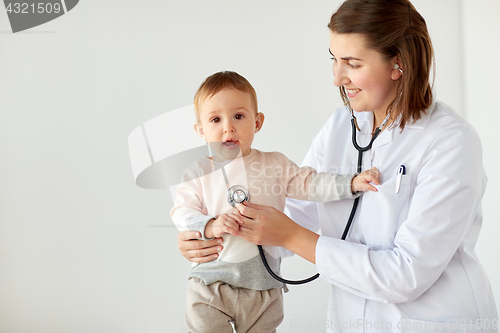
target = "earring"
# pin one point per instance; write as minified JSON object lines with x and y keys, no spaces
{"x":396,"y":66}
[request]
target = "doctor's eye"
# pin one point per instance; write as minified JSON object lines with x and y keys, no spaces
{"x":331,"y":55}
{"x":215,"y":120}
{"x":239,"y":116}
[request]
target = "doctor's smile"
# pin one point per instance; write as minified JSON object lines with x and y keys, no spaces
{"x":352,"y":92}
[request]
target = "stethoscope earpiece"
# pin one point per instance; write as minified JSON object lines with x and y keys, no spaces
{"x":396,"y":66}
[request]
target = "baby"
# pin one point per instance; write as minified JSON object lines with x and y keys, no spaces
{"x":235,"y":289}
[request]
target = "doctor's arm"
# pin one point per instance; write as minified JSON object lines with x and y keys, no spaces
{"x":446,"y":199}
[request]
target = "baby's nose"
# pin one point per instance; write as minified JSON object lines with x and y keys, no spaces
{"x":229,"y":128}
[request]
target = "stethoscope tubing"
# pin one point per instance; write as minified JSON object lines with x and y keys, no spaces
{"x":279,"y":278}
{"x":360,"y":150}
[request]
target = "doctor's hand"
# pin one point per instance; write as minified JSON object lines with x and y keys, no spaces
{"x":362,"y":181}
{"x":196,"y":250}
{"x":265,"y":225}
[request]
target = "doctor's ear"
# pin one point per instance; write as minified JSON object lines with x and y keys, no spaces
{"x":199,"y":130}
{"x":259,"y":121}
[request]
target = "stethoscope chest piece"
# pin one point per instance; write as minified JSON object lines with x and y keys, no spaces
{"x":237,"y":194}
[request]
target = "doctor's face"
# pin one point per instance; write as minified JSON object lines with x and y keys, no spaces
{"x":229,"y":121}
{"x":369,"y":80}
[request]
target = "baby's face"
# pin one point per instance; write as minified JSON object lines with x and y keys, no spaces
{"x":228,"y":122}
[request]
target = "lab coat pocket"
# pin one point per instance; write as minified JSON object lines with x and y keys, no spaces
{"x":382,"y":212}
{"x":450,"y":326}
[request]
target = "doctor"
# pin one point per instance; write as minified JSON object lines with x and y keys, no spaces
{"x":408,"y":262}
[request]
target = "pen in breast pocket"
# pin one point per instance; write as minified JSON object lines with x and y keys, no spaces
{"x":401,"y":172}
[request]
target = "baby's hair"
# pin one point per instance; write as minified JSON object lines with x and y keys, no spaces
{"x":219,"y":81}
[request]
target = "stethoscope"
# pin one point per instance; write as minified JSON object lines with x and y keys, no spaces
{"x":361,"y":150}
{"x":237,"y":194}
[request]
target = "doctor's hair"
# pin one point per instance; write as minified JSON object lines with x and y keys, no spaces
{"x":394,"y":28}
{"x":219,"y":81}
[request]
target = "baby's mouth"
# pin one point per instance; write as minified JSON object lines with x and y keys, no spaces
{"x":230,"y":144}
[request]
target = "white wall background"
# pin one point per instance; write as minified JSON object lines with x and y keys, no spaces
{"x":78,"y":248}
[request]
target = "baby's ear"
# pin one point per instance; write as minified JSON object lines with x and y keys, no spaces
{"x":259,"y":121}
{"x":199,"y":130}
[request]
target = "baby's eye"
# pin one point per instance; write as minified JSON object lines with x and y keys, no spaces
{"x":215,"y":120}
{"x":238,"y":116}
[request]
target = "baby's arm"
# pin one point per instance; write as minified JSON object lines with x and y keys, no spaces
{"x":362,"y":181}
{"x":305,"y":183}
{"x":189,"y":211}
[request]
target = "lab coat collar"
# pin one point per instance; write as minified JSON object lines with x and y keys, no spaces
{"x":425,"y":116}
{"x":365,"y":123}
{"x":365,"y":120}
{"x":424,"y":119}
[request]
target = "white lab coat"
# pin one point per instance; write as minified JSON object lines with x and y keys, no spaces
{"x":408,"y":260}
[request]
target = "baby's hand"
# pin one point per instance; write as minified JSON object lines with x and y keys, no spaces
{"x":224,"y":224}
{"x":362,"y":181}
